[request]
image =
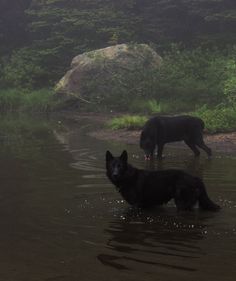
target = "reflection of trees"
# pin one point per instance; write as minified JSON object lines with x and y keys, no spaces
{"x":30,"y":143}
{"x":158,"y":238}
{"x":22,"y":135}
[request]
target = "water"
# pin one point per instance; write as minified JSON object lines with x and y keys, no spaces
{"x":62,"y":220}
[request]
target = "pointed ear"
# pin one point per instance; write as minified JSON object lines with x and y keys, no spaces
{"x":109,"y":156}
{"x":124,"y":156}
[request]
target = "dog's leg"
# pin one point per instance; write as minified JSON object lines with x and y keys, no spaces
{"x":193,"y":148}
{"x":160,"y":148}
{"x":203,"y":146}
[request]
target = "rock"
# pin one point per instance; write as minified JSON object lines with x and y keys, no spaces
{"x":98,"y":75}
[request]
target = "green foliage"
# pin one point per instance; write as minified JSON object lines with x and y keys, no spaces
{"x":46,"y":34}
{"x":186,"y":80}
{"x":165,"y":106}
{"x":145,"y":106}
{"x":23,"y":69}
{"x":27,"y":101}
{"x":38,"y":101}
{"x":230,"y":82}
{"x":154,"y":106}
{"x":219,"y":119}
{"x":194,"y":76}
{"x":9,"y":99}
{"x":131,"y":122}
{"x":51,"y":32}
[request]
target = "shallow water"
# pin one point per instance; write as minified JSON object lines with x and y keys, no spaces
{"x":62,"y":220}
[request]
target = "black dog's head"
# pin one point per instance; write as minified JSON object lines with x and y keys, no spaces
{"x":147,"y":144}
{"x":116,"y":166}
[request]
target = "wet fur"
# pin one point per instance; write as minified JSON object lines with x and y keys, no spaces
{"x":143,"y":188}
{"x":160,"y":130}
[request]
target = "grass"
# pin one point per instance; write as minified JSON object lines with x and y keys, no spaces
{"x":130,"y":122}
{"x":40,"y":100}
{"x":18,"y":100}
{"x":9,"y":99}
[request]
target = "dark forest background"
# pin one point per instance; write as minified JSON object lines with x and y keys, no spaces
{"x":41,"y":36}
{"x":196,"y":39}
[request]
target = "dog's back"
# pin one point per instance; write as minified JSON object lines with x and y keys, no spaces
{"x":169,"y":129}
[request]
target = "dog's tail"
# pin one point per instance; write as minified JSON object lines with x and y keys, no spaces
{"x":204,"y":201}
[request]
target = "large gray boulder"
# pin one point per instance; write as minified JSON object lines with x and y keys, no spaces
{"x":96,"y":77}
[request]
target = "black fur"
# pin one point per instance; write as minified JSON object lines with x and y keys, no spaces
{"x":144,"y":188}
{"x":161,"y":130}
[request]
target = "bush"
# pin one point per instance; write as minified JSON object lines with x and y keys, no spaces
{"x":23,"y":69}
{"x":230,"y":83}
{"x":192,"y":76}
{"x":31,"y":68}
{"x":219,"y":119}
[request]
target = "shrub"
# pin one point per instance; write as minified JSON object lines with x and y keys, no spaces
{"x":192,"y":76}
{"x":230,"y":83}
{"x":219,"y":119}
{"x":23,"y":69}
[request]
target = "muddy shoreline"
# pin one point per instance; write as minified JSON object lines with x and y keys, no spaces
{"x":220,"y":142}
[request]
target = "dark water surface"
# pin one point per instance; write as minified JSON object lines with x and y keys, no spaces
{"x":61,"y":219}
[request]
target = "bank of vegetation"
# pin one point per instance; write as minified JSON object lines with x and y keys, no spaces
{"x":196,"y":39}
{"x":199,"y":82}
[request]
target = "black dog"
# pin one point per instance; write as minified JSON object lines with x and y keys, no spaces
{"x":144,"y":188}
{"x":161,"y":130}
